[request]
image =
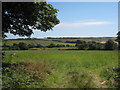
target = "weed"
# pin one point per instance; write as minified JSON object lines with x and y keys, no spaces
{"x":111,"y":76}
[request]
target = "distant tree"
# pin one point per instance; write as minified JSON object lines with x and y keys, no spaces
{"x":79,"y":41}
{"x":92,"y":47}
{"x":51,"y":45}
{"x":59,"y":45}
{"x":23,"y":46}
{"x":5,"y":45}
{"x":67,"y":45}
{"x":82,"y":45}
{"x":109,"y":45}
{"x":99,"y":46}
{"x":15,"y":46}
{"x":20,"y":18}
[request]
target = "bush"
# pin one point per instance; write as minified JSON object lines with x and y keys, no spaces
{"x":60,"y":45}
{"x":82,"y":45}
{"x":112,"y":76}
{"x":67,"y":45}
{"x":23,"y":46}
{"x":110,"y":45}
{"x":51,"y":45}
{"x":15,"y":47}
{"x":20,"y":46}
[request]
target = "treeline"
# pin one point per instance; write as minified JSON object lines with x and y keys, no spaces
{"x":80,"y":44}
{"x":91,"y":45}
{"x":24,"y":46}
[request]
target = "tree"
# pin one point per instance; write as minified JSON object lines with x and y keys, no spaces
{"x":109,"y":45}
{"x":15,"y":46}
{"x":23,"y":46}
{"x":82,"y":45}
{"x":92,"y":46}
{"x":118,"y":39}
{"x":67,"y":45}
{"x":20,"y":18}
{"x":51,"y":45}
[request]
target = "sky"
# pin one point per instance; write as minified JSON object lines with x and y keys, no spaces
{"x":83,"y":19}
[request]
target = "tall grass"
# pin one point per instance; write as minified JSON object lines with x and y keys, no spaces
{"x":69,"y":68}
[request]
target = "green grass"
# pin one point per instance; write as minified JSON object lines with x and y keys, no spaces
{"x":69,"y":68}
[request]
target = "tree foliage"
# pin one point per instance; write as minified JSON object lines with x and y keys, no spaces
{"x":118,"y":39}
{"x":109,"y":45}
{"x":20,"y":18}
{"x":81,"y":44}
{"x":91,"y":45}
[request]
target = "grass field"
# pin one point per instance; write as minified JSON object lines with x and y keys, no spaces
{"x":66,"y":69}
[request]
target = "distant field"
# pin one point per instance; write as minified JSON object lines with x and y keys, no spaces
{"x":66,"y":67}
{"x":41,"y":41}
{"x":46,"y":42}
{"x":102,"y":39}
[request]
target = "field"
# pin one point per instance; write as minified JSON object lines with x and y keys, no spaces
{"x":43,"y":42}
{"x":62,"y":41}
{"x":61,"y":68}
{"x":97,"y":39}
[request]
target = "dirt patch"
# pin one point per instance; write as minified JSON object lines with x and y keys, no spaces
{"x":99,"y":83}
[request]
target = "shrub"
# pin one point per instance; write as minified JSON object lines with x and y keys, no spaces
{"x":23,"y":46}
{"x":111,"y":74}
{"x":82,"y":45}
{"x":15,"y":47}
{"x":60,"y":45}
{"x":67,"y":45}
{"x":109,"y":45}
{"x":51,"y":45}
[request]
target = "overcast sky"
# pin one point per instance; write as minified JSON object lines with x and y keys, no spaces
{"x":83,"y":19}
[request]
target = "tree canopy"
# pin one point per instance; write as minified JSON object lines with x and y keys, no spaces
{"x":118,"y":39}
{"x":110,"y":45}
{"x":20,"y":18}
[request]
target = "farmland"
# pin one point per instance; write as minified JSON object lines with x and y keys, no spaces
{"x":58,"y":67}
{"x":61,"y":66}
{"x":39,"y":41}
{"x":59,"y":45}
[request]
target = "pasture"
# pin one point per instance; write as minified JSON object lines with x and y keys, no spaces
{"x":62,"y":68}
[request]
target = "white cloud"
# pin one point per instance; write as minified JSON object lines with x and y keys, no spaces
{"x":79,"y":24}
